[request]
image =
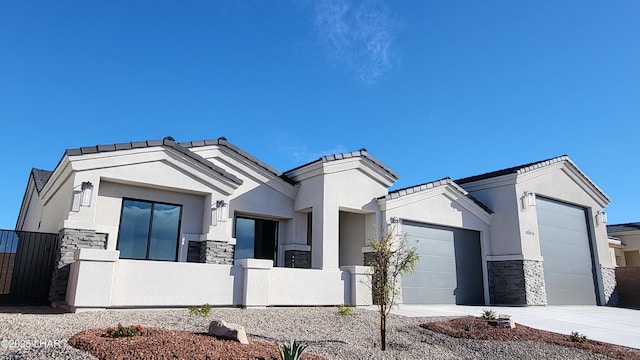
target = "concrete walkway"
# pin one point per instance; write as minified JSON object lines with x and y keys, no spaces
{"x":607,"y":324}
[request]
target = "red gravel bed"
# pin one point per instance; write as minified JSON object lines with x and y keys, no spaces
{"x":483,"y":330}
{"x":173,"y":344}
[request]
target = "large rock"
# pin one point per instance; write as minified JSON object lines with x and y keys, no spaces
{"x":224,"y":330}
{"x":506,"y":321}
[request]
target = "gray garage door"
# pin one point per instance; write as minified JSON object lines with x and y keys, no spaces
{"x":566,"y":252}
{"x":450,"y":266}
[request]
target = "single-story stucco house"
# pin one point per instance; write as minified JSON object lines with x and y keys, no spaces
{"x":162,"y":223}
{"x":624,"y":244}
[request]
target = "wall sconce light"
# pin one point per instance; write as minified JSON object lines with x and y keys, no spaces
{"x":528,"y":199}
{"x":87,"y":192}
{"x":601,"y":217}
{"x":221,"y":210}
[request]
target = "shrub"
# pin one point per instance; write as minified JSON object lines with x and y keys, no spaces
{"x":202,"y":310}
{"x":345,"y":310}
{"x":125,"y":331}
{"x":291,"y":350}
{"x":488,"y":314}
{"x":468,"y":323}
{"x":579,"y":338}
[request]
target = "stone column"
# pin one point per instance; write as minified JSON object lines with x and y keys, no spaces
{"x":609,"y":286}
{"x":68,"y":241}
{"x":516,"y":282}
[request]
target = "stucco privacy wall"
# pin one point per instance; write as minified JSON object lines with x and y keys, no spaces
{"x":250,"y":282}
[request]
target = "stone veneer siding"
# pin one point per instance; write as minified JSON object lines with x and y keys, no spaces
{"x":69,"y":241}
{"x":535,"y":287}
{"x":297,"y":259}
{"x":609,"y":286}
{"x":506,"y":283}
{"x":216,"y":252}
{"x":516,"y":282}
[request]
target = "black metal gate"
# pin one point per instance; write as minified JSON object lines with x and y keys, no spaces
{"x":26,"y":266}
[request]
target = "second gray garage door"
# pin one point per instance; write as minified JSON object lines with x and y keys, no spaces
{"x":450,"y":266}
{"x":566,"y":253}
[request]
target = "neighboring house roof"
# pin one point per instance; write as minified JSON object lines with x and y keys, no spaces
{"x":620,"y":228}
{"x":520,"y":169}
{"x":346,"y":155}
{"x":40,"y":178}
{"x":166,"y":142}
{"x":430,"y":185}
{"x":222,"y":141}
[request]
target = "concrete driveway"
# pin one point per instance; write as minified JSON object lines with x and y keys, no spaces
{"x":608,"y":324}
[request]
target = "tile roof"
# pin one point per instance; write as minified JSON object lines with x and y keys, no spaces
{"x":222,"y":141}
{"x":618,"y":228}
{"x":520,"y":169}
{"x":430,"y":185}
{"x":346,"y":155}
{"x":166,"y":142}
{"x":40,"y":178}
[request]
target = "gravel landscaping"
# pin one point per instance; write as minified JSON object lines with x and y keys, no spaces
{"x":42,"y":333}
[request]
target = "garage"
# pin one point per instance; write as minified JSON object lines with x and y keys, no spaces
{"x":566,"y":251}
{"x":450,"y":266}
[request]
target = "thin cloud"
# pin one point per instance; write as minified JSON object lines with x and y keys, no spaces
{"x":357,"y":35}
{"x":301,"y":154}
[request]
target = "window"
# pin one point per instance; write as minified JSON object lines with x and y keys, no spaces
{"x":256,"y":239}
{"x":149,"y":230}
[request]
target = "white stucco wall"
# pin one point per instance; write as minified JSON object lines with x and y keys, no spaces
{"x":30,"y":217}
{"x":309,"y":287}
{"x":161,"y":283}
{"x":59,"y":206}
{"x":502,"y":199}
{"x":352,"y":238}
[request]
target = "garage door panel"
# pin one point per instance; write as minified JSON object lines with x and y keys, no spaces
{"x":450,"y":266}
{"x":437,"y":296}
{"x":437,"y":280}
{"x":566,"y":253}
{"x":562,"y":265}
{"x":434,"y":247}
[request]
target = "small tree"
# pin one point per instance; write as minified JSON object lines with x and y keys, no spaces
{"x":393,"y":256}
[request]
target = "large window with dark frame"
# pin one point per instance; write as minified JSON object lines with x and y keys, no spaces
{"x":149,"y":230}
{"x":256,"y":239}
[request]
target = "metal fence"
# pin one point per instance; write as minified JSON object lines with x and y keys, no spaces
{"x":26,"y":266}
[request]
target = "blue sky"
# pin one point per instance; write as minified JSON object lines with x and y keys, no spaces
{"x":431,"y":88}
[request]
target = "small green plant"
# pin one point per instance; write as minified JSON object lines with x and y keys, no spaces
{"x":125,"y":331}
{"x":345,"y":310}
{"x":488,"y":314}
{"x":291,"y":350}
{"x":468,"y":323}
{"x":579,"y":338}
{"x":202,"y":310}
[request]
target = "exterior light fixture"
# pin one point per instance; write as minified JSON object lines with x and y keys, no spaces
{"x":221,"y":210}
{"x":87,"y":192}
{"x":601,"y":217}
{"x":528,"y":199}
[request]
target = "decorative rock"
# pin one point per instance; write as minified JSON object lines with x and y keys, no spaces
{"x":506,"y":321}
{"x":224,"y":330}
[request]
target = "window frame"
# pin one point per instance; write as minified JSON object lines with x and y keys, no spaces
{"x":258,"y":218}
{"x":152,"y":202}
